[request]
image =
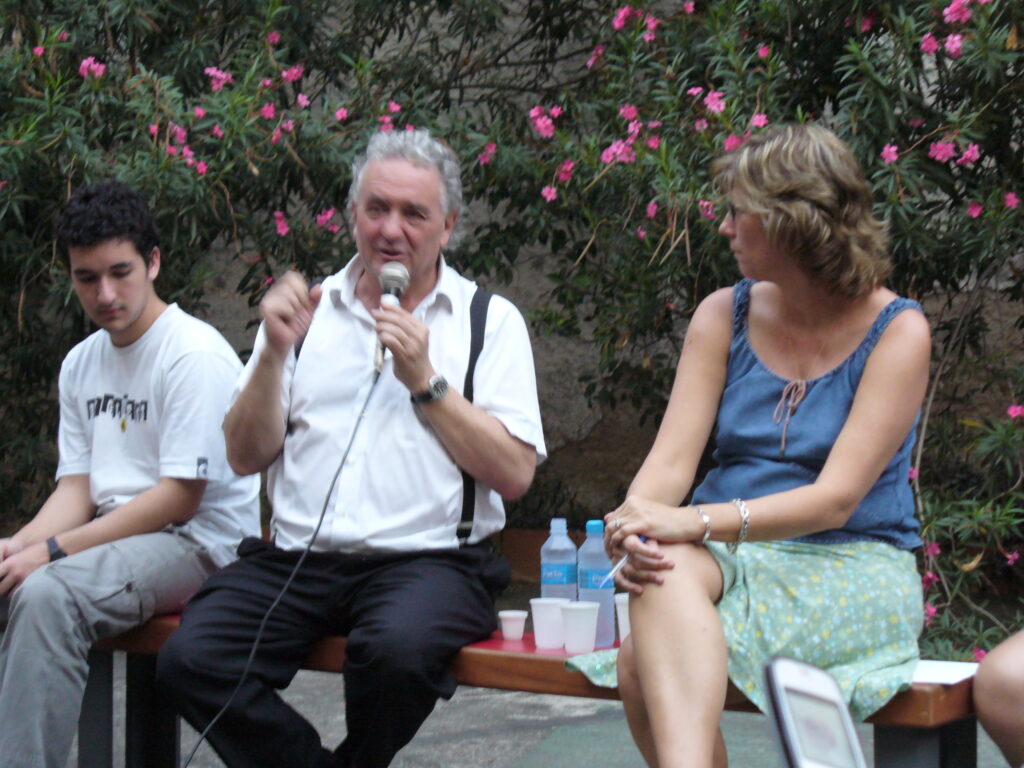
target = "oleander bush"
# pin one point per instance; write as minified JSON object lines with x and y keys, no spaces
{"x":586,"y":131}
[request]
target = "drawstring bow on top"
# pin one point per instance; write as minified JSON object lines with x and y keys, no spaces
{"x":792,"y":394}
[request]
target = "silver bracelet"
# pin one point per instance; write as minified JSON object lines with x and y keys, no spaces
{"x":744,"y":525}
{"x":707,"y":524}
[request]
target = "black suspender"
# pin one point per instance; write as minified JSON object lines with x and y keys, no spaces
{"x":477,"y":325}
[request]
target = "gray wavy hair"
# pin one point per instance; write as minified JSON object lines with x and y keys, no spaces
{"x":419,"y":148}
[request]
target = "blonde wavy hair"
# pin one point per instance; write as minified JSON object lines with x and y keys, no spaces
{"x":814,"y":201}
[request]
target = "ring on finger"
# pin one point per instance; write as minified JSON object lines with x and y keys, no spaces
{"x":618,"y":523}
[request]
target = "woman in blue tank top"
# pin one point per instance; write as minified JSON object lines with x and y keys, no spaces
{"x":799,"y":542}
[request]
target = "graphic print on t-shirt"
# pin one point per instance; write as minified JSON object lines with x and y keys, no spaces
{"x":122,"y":408}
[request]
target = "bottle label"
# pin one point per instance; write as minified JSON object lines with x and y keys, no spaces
{"x":557,"y":573}
{"x":591,"y":578}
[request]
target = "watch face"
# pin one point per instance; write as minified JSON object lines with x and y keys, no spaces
{"x":438,"y":387}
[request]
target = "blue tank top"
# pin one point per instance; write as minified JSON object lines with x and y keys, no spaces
{"x":750,"y":462}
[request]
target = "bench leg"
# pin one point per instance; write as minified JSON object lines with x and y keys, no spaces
{"x":96,"y":721}
{"x":954,"y":745}
{"x":152,"y":729}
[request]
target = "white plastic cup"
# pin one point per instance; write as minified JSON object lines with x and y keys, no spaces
{"x":622,"y":612}
{"x":547,"y":621}
{"x":512,"y":624}
{"x":580,"y":623}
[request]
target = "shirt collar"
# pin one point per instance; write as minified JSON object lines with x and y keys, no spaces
{"x":342,"y":289}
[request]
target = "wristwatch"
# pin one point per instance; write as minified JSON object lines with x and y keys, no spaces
{"x":437,"y":388}
{"x":55,"y":549}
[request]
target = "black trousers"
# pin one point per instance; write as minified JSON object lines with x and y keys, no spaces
{"x":405,"y":616}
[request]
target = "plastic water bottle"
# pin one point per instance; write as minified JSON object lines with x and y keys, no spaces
{"x":594,"y":566}
{"x":558,"y":563}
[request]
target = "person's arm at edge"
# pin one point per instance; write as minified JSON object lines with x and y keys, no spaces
{"x":254,"y":427}
{"x":171,"y":500}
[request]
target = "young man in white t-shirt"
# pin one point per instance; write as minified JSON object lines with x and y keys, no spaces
{"x":145,"y":507}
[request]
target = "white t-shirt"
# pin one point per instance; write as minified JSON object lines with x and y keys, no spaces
{"x":399,"y":490}
{"x":131,"y":415}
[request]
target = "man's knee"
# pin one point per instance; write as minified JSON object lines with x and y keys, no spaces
{"x":40,"y":597}
{"x":397,"y":655}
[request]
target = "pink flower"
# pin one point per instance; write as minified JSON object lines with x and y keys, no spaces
{"x":618,"y":151}
{"x":38,"y":51}
{"x":695,"y":91}
{"x":654,"y":124}
{"x":323,"y":219}
{"x":565,"y":171}
{"x":218,"y":78}
{"x":394,"y":107}
{"x":1010,"y":200}
{"x":199,"y":112}
{"x":267,"y":281}
{"x":714,"y":102}
{"x":621,"y":17}
{"x":974,"y":210}
{"x":641,"y":233}
{"x":1012,"y":557}
{"x":700,"y":125}
{"x":941,"y":150}
{"x":275,"y":137}
{"x":970,"y":155}
{"x":273,"y":37}
{"x":980,"y":653}
{"x":732,"y":141}
{"x":3,"y":183}
{"x":628,"y":112}
{"x":488,"y":154}
{"x":652,"y":209}
{"x":281,"y":223}
{"x":216,"y":131}
{"x":929,"y":44}
{"x":293,"y":73}
{"x":187,"y":152}
{"x":913,"y":473}
{"x":386,"y":125}
{"x":536,"y":112}
{"x":1015,"y":411}
{"x":179,"y":134}
{"x":707,"y":208}
{"x":172,"y":150}
{"x":956,"y":12}
{"x":89,"y":67}
{"x":915,"y":122}
{"x":544,"y":125}
{"x":267,"y":111}
{"x":62,"y":36}
{"x":266,"y":83}
{"x":555,"y":111}
{"x":763,"y":52}
{"x":302,"y":100}
{"x":954,"y":45}
{"x":654,"y":142}
{"x":688,"y":7}
{"x":651,"y":22}
{"x":648,"y":37}
{"x":201,"y":168}
{"x":288,"y":125}
{"x":890,"y":154}
{"x":154,"y":129}
{"x":759,"y":120}
{"x":929,"y":613}
{"x":334,"y":228}
{"x":549,"y":193}
{"x":932,"y":549}
{"x":341,"y":114}
{"x":929,"y":580}
{"x":595,"y":54}
{"x":867,"y":22}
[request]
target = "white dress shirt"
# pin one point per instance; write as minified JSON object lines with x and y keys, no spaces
{"x":399,"y":489}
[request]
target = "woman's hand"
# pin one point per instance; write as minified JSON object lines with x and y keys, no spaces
{"x":642,"y":517}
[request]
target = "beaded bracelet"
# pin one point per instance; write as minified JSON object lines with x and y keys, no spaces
{"x":707,"y":524}
{"x":744,"y":525}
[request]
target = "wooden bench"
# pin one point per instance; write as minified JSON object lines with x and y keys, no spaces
{"x":932,"y":725}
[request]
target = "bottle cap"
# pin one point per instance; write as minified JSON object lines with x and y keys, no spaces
{"x":558,"y":525}
{"x":595,"y":526}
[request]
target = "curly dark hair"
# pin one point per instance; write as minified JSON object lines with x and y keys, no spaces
{"x":105,"y":211}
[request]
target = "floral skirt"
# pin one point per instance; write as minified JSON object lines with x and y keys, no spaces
{"x":854,"y":609}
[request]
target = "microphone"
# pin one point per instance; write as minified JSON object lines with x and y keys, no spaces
{"x":394,"y":279}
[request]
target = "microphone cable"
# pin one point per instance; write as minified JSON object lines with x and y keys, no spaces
{"x":291,"y":576}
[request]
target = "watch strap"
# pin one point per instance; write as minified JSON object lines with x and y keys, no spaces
{"x":56,"y":551}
